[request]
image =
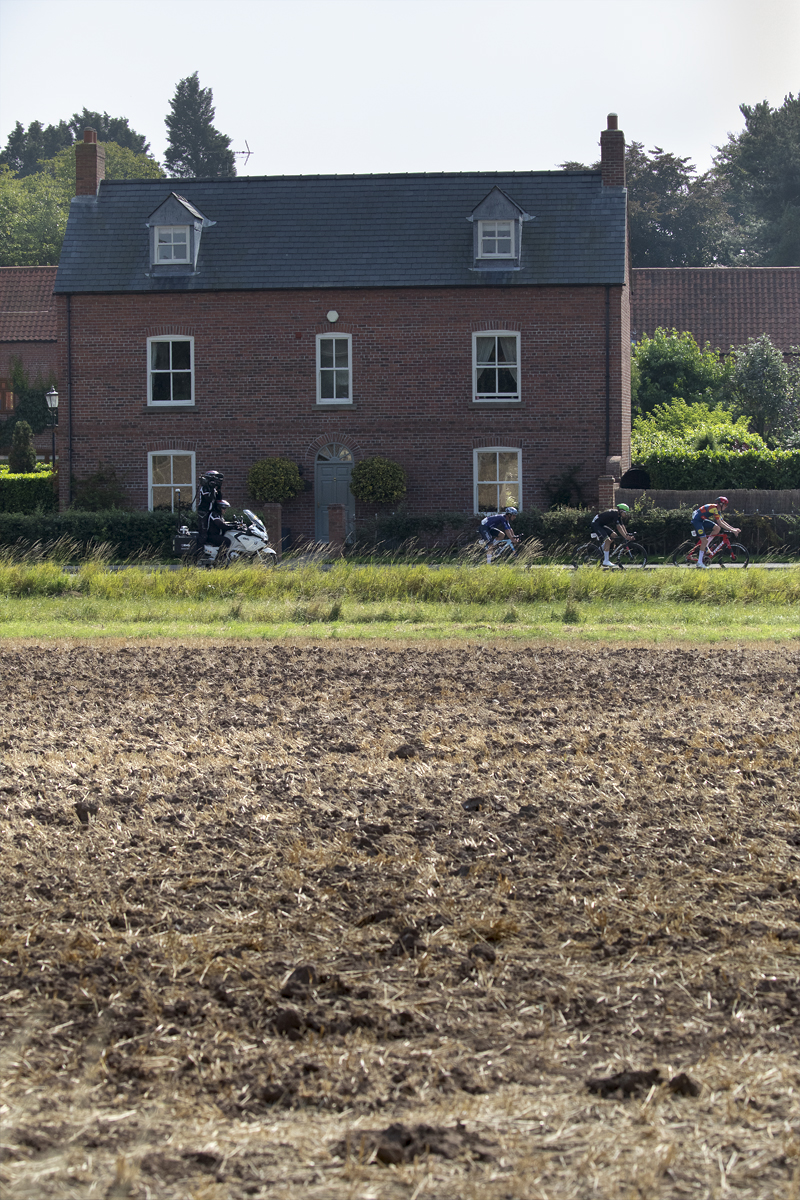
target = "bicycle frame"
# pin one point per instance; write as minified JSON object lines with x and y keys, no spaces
{"x":715,"y":543}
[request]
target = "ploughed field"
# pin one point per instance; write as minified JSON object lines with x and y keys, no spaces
{"x":352,"y":920}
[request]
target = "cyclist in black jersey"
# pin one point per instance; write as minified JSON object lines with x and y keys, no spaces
{"x":608,"y":525}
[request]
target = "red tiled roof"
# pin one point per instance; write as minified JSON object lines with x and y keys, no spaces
{"x":27,"y":304}
{"x":721,"y":305}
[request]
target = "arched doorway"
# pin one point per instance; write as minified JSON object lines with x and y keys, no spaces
{"x":332,"y":471}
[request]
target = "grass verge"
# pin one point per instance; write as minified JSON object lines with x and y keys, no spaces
{"x":42,"y":600}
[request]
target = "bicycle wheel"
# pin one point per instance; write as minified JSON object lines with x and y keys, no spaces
{"x":588,"y":555}
{"x":631,"y":555}
{"x":686,"y":554}
{"x":735,"y":554}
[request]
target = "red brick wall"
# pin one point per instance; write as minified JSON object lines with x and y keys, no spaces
{"x":255,"y":385}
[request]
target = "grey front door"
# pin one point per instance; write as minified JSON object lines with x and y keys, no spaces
{"x":332,"y":473}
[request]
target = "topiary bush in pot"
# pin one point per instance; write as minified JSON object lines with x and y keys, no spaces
{"x":378,"y":481}
{"x":274,"y":480}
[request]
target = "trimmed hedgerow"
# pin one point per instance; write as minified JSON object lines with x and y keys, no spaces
{"x":27,"y":493}
{"x":126,"y":533}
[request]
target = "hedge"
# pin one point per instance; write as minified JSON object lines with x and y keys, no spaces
{"x":660,"y":530}
{"x":27,"y":493}
{"x":127,"y":533}
{"x":688,"y":470}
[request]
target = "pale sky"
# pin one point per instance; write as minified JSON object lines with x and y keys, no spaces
{"x":361,"y":86}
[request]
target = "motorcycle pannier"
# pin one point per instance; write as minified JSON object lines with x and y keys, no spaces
{"x":185,"y":543}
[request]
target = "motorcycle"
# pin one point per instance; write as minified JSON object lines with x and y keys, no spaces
{"x":242,"y":541}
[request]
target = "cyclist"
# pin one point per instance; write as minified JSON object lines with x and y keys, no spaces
{"x":607,"y":526}
{"x":496,"y":527}
{"x":706,"y":521}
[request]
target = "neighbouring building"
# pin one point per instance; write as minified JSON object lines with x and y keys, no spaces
{"x":28,"y":333}
{"x":723,"y":306}
{"x":473,"y":327}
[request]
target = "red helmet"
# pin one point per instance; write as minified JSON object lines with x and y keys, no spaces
{"x":723,"y":500}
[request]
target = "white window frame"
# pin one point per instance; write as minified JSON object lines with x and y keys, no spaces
{"x":495,"y":450}
{"x":168,"y":337}
{"x":171,"y":229}
{"x":338,"y":337}
{"x":490,"y":229}
{"x":495,"y":397}
{"x":157,"y":453}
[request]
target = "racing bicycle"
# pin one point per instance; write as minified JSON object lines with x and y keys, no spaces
{"x":720,"y":550}
{"x":626,"y":554}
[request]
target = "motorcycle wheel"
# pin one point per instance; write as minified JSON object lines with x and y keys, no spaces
{"x":266,"y":558}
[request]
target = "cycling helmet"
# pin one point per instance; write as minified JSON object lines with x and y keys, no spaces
{"x":624,"y":507}
{"x":510,"y":511}
{"x":723,"y":500}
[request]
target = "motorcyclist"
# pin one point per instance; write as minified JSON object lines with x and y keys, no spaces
{"x":209,"y":504}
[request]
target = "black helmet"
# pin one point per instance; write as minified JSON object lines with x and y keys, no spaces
{"x":213,"y":477}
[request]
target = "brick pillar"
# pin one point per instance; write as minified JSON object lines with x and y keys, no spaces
{"x":337,"y":527}
{"x":612,"y":154}
{"x":606,"y":492}
{"x":272,"y":515}
{"x":90,"y":164}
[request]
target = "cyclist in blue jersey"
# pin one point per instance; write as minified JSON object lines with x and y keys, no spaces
{"x":496,"y":527}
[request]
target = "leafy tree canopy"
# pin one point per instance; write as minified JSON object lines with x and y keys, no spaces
{"x":34,"y":208}
{"x":759,"y":170}
{"x":764,"y":388}
{"x":671,"y":365}
{"x":196,"y":149}
{"x":25,"y":149}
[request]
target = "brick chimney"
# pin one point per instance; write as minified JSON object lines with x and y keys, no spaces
{"x":90,"y":164}
{"x":612,"y":154}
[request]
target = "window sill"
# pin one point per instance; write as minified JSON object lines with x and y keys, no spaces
{"x":497,"y":403}
{"x":334,"y":404}
{"x":180,"y":404}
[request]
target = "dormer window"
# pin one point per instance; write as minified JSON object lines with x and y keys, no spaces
{"x":172,"y":243}
{"x":175,"y":229}
{"x":496,"y":239}
{"x":497,"y":233}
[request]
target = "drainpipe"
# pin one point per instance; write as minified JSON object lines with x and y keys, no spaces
{"x":69,"y":399}
{"x":608,"y":372}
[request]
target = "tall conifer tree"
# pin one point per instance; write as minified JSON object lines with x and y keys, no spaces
{"x":196,"y":149}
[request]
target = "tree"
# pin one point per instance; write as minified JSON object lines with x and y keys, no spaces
{"x":34,"y":208}
{"x":671,"y":365}
{"x":759,"y":170}
{"x":763,"y":389}
{"x":675,"y":217}
{"x":22,"y":455}
{"x":26,"y":149}
{"x":196,"y":149}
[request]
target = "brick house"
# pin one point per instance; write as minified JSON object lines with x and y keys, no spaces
{"x":472,"y":327}
{"x":723,"y":306}
{"x":28,"y":333}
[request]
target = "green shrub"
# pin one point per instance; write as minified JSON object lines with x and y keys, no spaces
{"x":22,"y":455}
{"x":274,"y":480}
{"x":99,"y":491}
{"x":378,"y":481}
{"x":27,"y":493}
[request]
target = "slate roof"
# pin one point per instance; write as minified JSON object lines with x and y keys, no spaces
{"x":27,"y":304}
{"x":721,"y":305}
{"x":347,"y":231}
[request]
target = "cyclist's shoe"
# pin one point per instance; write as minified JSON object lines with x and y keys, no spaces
{"x":703,"y":566}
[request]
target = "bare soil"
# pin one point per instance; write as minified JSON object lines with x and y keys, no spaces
{"x":393,"y":921}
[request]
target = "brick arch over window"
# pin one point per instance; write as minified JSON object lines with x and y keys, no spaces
{"x":495,"y":322}
{"x":169,"y":330}
{"x":342,"y":436}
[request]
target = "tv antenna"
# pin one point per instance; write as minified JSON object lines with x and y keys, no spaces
{"x":245,"y":154}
